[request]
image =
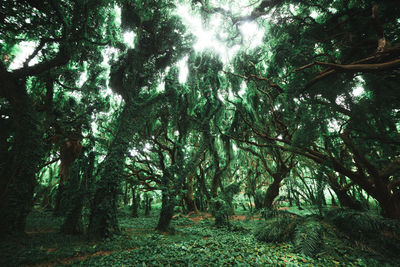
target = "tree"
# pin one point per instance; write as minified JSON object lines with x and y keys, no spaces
{"x":160,"y":41}
{"x":62,"y":33}
{"x":319,"y":60}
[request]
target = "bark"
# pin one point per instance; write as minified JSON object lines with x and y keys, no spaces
{"x":17,"y":174}
{"x":135,"y":202}
{"x":344,"y":198}
{"x":189,"y":198}
{"x":272,"y":191}
{"x":77,"y":191}
{"x":103,"y":217}
{"x":73,"y":221}
{"x":215,"y":183}
{"x":167,"y":211}
{"x":390,"y":204}
{"x":59,"y":205}
{"x":147,"y":204}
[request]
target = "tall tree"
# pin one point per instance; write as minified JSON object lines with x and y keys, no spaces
{"x":160,"y":41}
{"x":62,"y":32}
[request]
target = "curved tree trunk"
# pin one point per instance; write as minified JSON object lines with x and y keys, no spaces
{"x":344,"y":198}
{"x":272,"y":191}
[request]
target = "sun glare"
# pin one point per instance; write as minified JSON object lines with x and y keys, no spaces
{"x":24,"y":50}
{"x":129,"y":38}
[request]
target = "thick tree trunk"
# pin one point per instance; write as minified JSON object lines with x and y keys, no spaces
{"x":17,"y":174}
{"x":346,"y":201}
{"x":103,"y":217}
{"x":272,"y":191}
{"x":215,"y":184}
{"x":390,"y":205}
{"x":73,"y":221}
{"x":167,"y":211}
{"x":59,"y":205}
{"x":75,"y":193}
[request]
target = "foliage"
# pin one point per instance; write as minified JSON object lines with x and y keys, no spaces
{"x":380,"y":233}
{"x":277,"y":229}
{"x":311,"y":114}
{"x":195,"y":244}
{"x":308,"y":237}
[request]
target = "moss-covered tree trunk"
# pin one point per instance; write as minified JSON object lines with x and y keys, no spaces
{"x":17,"y":174}
{"x":167,"y":211}
{"x":79,"y":190}
{"x":103,"y":215}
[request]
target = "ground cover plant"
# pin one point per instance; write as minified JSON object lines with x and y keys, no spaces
{"x":199,"y":132}
{"x":195,"y":241}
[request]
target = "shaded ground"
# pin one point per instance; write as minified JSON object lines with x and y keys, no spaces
{"x":196,"y":242}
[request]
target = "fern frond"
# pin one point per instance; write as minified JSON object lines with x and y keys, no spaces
{"x":307,"y":238}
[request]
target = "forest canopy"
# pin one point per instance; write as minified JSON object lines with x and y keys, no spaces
{"x":201,"y":106}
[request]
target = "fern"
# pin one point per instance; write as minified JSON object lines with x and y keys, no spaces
{"x":307,"y":238}
{"x":272,"y":213}
{"x":278,"y":229}
{"x":380,"y":234}
{"x":356,"y":223}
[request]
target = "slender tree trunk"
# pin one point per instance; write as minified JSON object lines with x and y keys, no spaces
{"x":250,"y":204}
{"x":290,"y":199}
{"x":126,"y":194}
{"x":135,"y":202}
{"x":189,"y":198}
{"x":333,"y":201}
{"x":147,"y":205}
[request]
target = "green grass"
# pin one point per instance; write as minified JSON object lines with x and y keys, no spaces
{"x":199,"y":244}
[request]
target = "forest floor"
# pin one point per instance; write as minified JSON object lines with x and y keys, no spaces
{"x":195,"y":242}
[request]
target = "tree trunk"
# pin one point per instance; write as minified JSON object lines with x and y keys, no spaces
{"x":17,"y":174}
{"x":272,"y":191}
{"x":135,"y":202}
{"x":126,"y":194}
{"x":344,"y":199}
{"x":147,"y":204}
{"x":215,"y":184}
{"x":59,"y":205}
{"x":167,"y":211}
{"x":390,"y":205}
{"x":103,"y":217}
{"x":189,"y":198}
{"x":73,"y":221}
{"x":76,"y":192}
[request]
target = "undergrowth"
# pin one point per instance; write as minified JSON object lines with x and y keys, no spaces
{"x":193,"y":244}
